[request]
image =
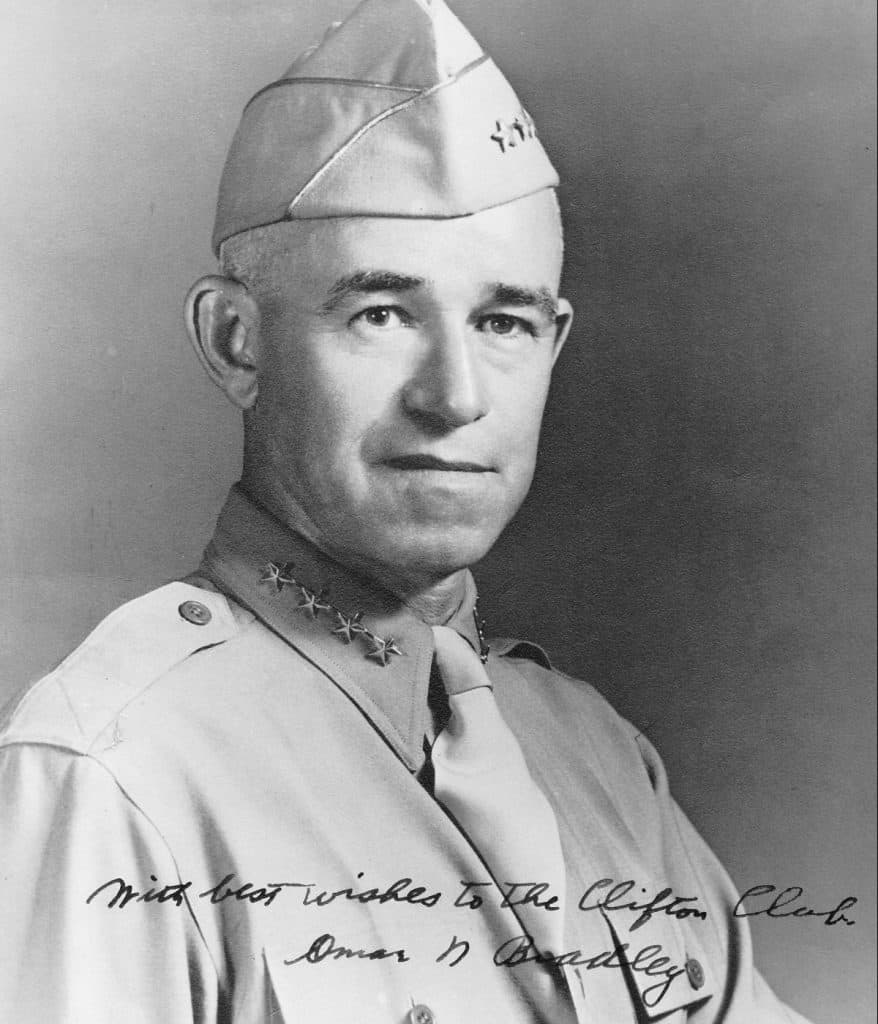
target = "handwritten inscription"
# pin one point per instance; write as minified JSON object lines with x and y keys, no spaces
{"x":119,"y":893}
{"x":770,"y":901}
{"x":403,"y":890}
{"x":514,"y":894}
{"x":663,"y":902}
{"x":605,"y":895}
{"x":633,"y":904}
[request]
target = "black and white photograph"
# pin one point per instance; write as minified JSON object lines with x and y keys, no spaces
{"x":437,"y":512}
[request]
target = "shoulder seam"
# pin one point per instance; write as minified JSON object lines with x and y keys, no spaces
{"x":135,"y":645}
{"x":96,"y":734}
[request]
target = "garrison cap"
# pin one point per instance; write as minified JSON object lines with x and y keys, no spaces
{"x":397,"y":112}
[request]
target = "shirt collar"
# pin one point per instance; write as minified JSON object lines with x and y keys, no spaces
{"x":366,"y":640}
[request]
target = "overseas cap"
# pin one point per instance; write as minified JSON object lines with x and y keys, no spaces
{"x":397,"y":112}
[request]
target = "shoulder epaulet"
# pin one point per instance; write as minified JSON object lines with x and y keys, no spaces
{"x":133,"y":647}
{"x":509,"y":647}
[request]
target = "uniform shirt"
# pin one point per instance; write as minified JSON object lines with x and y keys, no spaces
{"x":217,"y":809}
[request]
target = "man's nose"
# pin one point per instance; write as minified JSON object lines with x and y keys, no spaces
{"x":446,"y":390}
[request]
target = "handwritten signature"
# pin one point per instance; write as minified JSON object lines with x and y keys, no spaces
{"x":648,"y":960}
{"x":325,"y":947}
{"x":515,"y":952}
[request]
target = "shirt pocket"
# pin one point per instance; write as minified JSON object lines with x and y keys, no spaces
{"x":333,"y":992}
{"x":665,"y":967}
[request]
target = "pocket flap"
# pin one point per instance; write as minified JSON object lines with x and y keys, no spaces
{"x":664,"y":965}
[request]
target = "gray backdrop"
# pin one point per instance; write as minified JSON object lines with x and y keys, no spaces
{"x":698,"y":541}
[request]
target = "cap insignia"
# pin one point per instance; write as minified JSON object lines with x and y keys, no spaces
{"x":508,"y":134}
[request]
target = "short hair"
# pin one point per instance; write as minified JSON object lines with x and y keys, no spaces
{"x":250,"y":256}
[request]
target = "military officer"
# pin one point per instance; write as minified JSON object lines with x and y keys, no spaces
{"x":301,"y":785}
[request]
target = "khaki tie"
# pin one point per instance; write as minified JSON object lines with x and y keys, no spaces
{"x":482,"y":779}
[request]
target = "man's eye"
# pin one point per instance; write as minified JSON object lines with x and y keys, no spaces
{"x":501,"y":323}
{"x":383,"y":316}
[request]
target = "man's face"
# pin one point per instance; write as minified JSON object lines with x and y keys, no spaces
{"x":403,"y":371}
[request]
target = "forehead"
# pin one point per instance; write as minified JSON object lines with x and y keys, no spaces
{"x":518,"y":243}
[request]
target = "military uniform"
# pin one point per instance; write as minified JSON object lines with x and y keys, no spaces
{"x":232,"y":748}
{"x":221,"y":806}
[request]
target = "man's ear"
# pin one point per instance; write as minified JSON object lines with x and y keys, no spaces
{"x":222,"y":319}
{"x":563,"y":320}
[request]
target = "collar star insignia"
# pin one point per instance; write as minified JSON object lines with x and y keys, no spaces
{"x":349,"y":626}
{"x":286,"y":577}
{"x":278,"y":575}
{"x":382,"y":649}
{"x":313,"y":603}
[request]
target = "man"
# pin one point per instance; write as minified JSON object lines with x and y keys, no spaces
{"x":301,"y":785}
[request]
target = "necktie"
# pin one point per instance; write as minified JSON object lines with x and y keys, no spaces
{"x":482,"y":779}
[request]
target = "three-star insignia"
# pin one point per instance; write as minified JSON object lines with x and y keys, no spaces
{"x":508,"y":134}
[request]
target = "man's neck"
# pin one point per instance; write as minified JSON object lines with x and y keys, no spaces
{"x":432,"y":599}
{"x":435,"y":604}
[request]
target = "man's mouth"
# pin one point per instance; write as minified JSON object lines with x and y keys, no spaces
{"x":433,"y":462}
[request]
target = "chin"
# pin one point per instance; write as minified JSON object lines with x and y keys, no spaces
{"x":436,"y":553}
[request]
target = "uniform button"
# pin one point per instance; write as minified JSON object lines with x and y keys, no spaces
{"x":695,"y":973}
{"x":421,"y":1014}
{"x":195,"y":612}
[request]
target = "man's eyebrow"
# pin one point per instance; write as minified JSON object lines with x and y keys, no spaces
{"x":363,"y":282}
{"x":513,"y":295}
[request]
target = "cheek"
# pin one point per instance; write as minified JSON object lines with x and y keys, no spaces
{"x":323,"y":410}
{"x":521,"y":405}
